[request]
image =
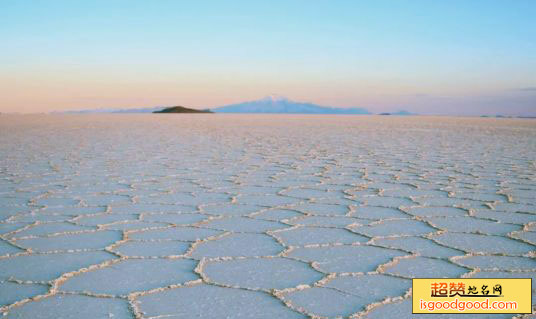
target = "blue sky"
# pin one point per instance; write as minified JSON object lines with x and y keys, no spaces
{"x":432,"y":57}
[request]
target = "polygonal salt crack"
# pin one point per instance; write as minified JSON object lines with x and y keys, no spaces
{"x":261,"y":273}
{"x":131,"y":275}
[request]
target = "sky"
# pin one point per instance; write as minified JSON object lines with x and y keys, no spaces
{"x":453,"y":57}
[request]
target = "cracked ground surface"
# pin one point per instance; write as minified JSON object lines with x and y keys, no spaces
{"x":230,"y":216}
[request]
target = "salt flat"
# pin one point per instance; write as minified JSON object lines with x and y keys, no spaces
{"x":257,"y":216}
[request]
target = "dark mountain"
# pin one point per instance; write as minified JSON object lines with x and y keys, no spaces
{"x":181,"y":109}
{"x":276,"y":104}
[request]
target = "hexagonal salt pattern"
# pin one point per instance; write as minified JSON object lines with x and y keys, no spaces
{"x":72,"y":307}
{"x":211,"y":216}
{"x":208,"y":301}
{"x":132,"y":275}
{"x":261,"y":273}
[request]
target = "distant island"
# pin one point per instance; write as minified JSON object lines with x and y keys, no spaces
{"x":399,"y":113}
{"x":271,"y":104}
{"x":274,"y":104}
{"x":181,"y":109}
